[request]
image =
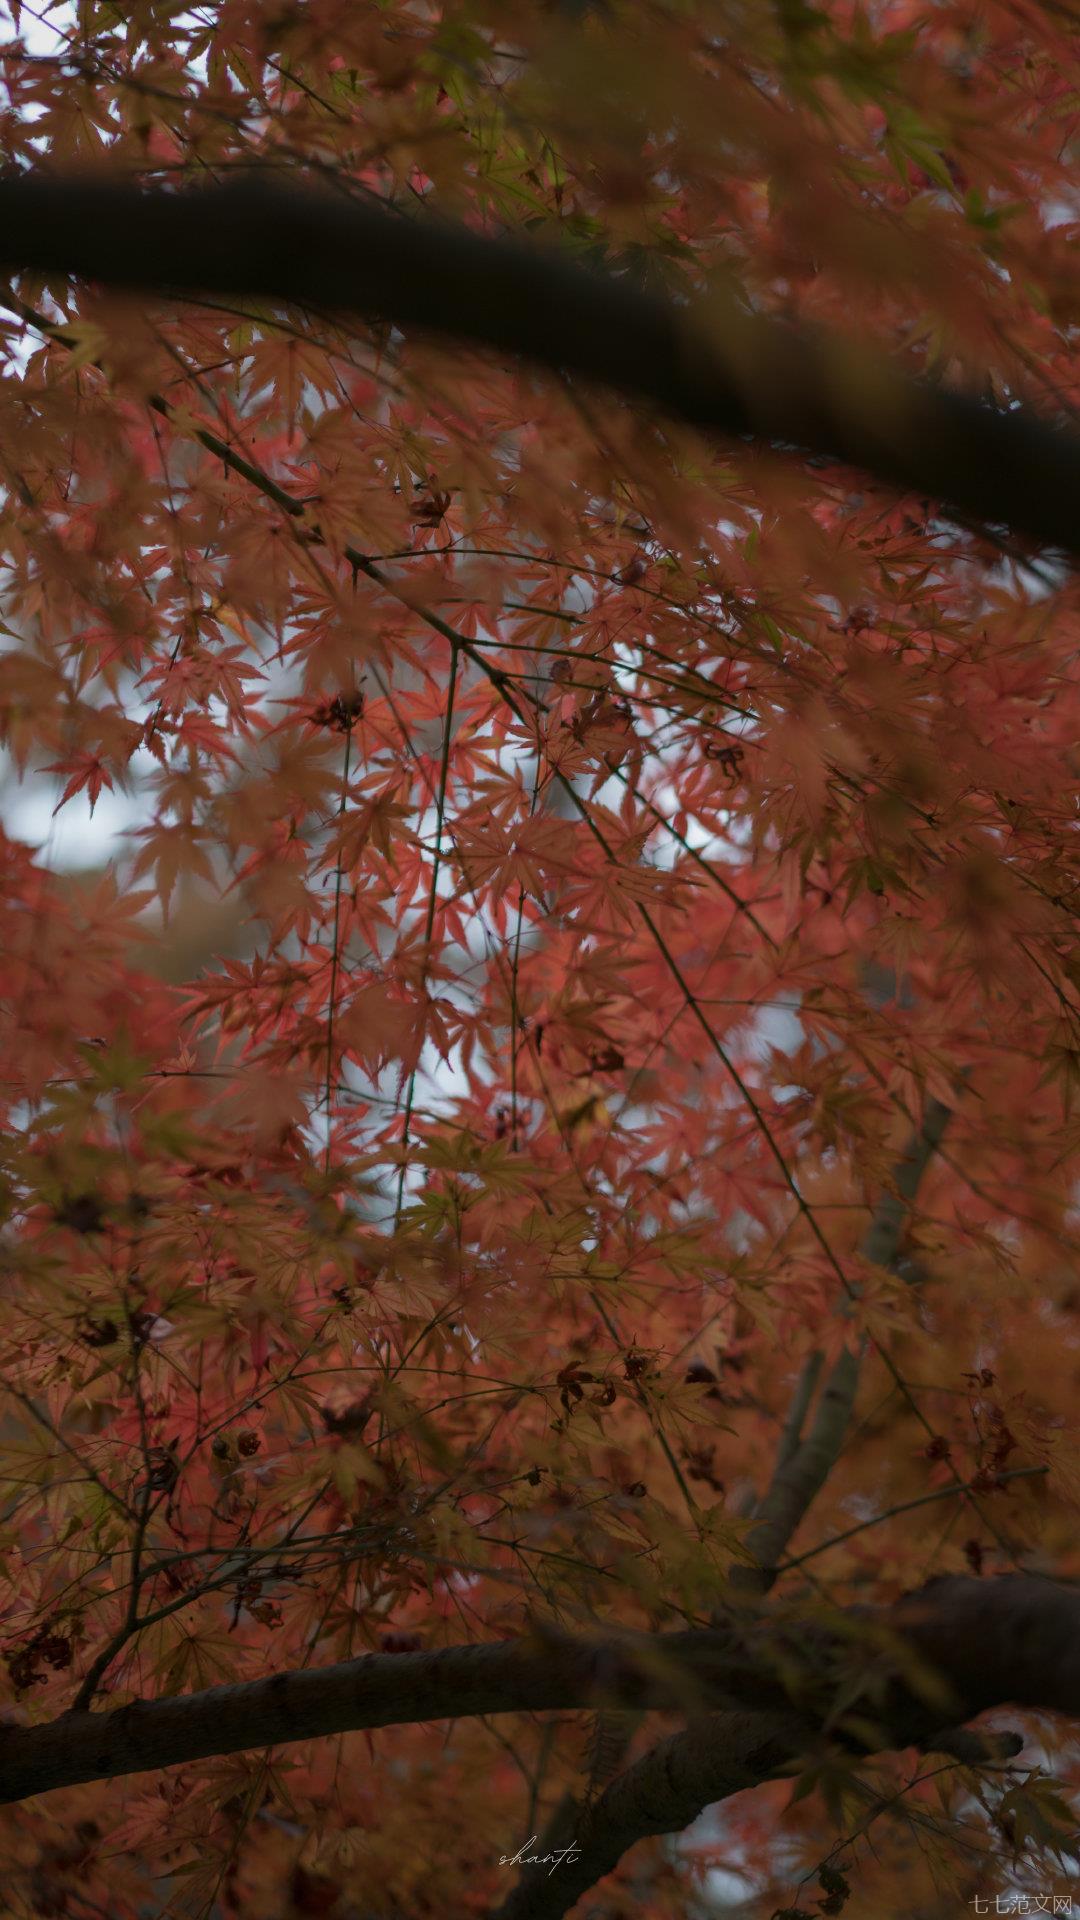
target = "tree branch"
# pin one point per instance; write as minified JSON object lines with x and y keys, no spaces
{"x":994,"y":1642}
{"x":804,"y":1465}
{"x":713,"y":365}
{"x":550,"y":1672}
{"x":720,"y":1754}
{"x":972,"y":1631}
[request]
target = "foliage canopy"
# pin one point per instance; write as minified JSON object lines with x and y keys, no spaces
{"x":567,"y":858}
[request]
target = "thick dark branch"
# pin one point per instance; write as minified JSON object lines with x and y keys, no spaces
{"x":1002,"y":1642}
{"x":663,"y":1792}
{"x":715,"y":366}
{"x":993,"y":1641}
{"x":379,"y":1690}
{"x":974,"y":1632}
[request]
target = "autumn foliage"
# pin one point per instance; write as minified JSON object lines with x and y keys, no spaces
{"x":562,"y":857}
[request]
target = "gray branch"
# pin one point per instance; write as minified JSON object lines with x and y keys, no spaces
{"x":803,"y":1466}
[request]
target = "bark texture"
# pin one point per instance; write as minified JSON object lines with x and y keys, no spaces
{"x":990,"y":1643}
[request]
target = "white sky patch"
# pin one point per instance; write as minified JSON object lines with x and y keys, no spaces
{"x":74,"y":837}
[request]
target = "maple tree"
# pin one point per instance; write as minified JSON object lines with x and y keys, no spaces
{"x":538,"y":1187}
